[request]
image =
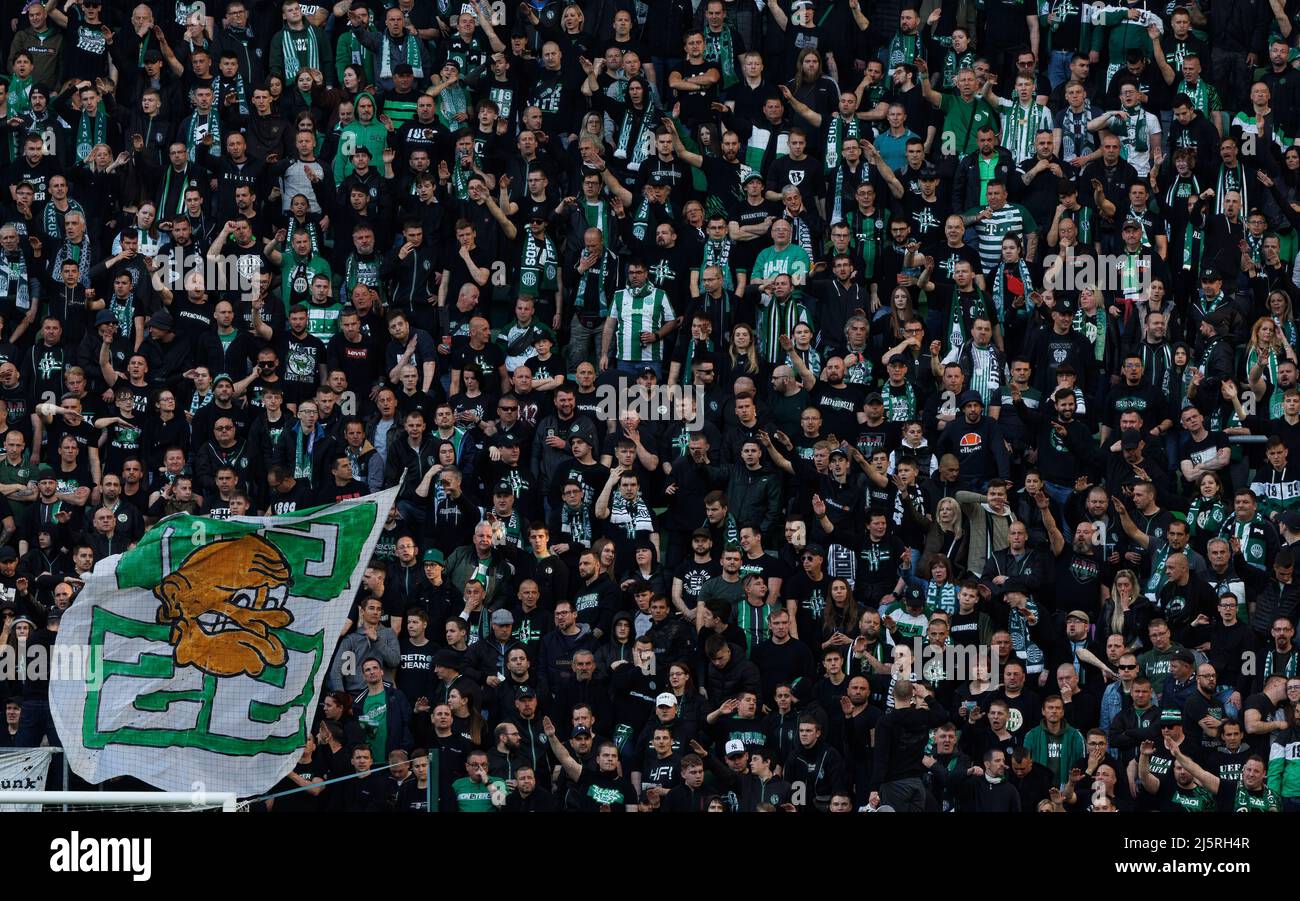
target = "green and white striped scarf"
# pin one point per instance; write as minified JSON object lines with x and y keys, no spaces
{"x":194,"y":141}
{"x":1001,"y":302}
{"x":718,"y":49}
{"x":1269,"y":365}
{"x":718,"y":253}
{"x":1231,"y":180}
{"x":410,"y":54}
{"x":1132,"y":133}
{"x":91,"y":130}
{"x":293,"y":63}
{"x":52,"y":217}
{"x":221,"y":83}
{"x":13,"y":277}
{"x":835,"y":135}
{"x":1205,"y":99}
{"x":636,"y":135}
{"x":903,"y":49}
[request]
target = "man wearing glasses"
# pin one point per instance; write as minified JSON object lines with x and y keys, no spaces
{"x":1203,"y":716}
{"x":1117,"y":694}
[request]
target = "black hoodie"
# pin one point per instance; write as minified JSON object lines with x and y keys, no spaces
{"x":820,"y":769}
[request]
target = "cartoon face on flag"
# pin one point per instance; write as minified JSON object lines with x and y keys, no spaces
{"x":206,"y":644}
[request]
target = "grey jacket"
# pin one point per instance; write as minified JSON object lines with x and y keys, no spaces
{"x":345,"y":670}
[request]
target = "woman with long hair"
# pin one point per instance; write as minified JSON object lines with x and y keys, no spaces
{"x":802,"y":335}
{"x":1283,"y":313}
{"x":888,"y":328}
{"x":1208,"y":510}
{"x":1268,"y":346}
{"x":167,"y":427}
{"x":949,"y":534}
{"x":146,"y":230}
{"x":840,"y":618}
{"x":301,"y":218}
{"x":1127,"y":612}
{"x":1180,"y":376}
{"x":471,"y":403}
{"x":743,"y":358}
{"x":606,"y":552}
{"x":690,"y":704}
{"x":468,"y":721}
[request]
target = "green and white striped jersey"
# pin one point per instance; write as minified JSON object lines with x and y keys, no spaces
{"x":1011,"y":219}
{"x":639,"y":310}
{"x":1021,"y":125}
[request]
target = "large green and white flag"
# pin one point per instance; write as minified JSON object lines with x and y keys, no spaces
{"x":204,"y":647}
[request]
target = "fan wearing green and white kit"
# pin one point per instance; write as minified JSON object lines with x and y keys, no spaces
{"x":640,"y":317}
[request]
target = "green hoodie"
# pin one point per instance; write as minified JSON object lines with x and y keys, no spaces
{"x":1056,"y":752}
{"x":372,"y":135}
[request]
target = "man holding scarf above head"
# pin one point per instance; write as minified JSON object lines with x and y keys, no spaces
{"x":635,"y":120}
{"x":93,"y":123}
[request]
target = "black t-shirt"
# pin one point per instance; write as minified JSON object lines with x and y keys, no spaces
{"x":811,"y":597}
{"x":1259,"y":744}
{"x":300,"y":801}
{"x":839,"y":408}
{"x":693,"y":576}
{"x":604,"y":790}
{"x":695,"y":104}
{"x":745,"y":253}
{"x":1206,"y":450}
{"x":1145,"y":399}
{"x":299,"y":497}
{"x":415,"y":670}
{"x":488,"y":360}
{"x":946,"y":258}
{"x":806,"y":174}
{"x":1005,"y":23}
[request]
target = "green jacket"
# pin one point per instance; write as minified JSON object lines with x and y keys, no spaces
{"x":1057,"y":753}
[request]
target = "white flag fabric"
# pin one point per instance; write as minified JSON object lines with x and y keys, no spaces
{"x":23,"y":770}
{"x":202,"y":650}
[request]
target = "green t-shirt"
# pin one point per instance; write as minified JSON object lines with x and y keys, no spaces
{"x":296,"y":275}
{"x":793,"y":261}
{"x":471,"y":797}
{"x":962,"y":121}
{"x":21,"y":474}
{"x":374,"y":723}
